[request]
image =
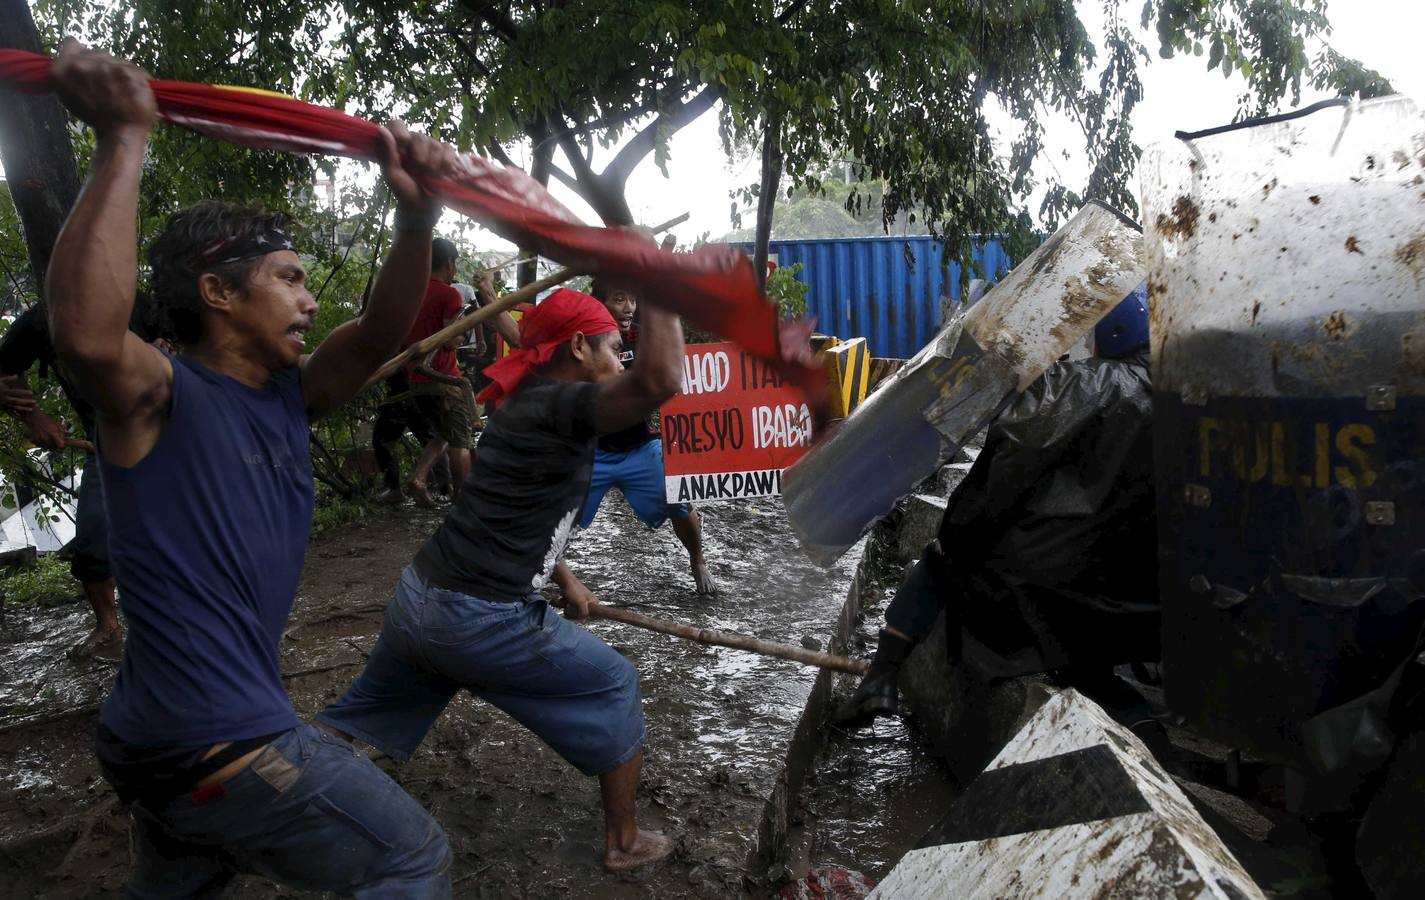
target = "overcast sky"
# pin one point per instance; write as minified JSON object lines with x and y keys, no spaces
{"x":1179,"y":94}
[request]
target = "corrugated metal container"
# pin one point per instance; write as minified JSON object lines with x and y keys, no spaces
{"x":863,"y":287}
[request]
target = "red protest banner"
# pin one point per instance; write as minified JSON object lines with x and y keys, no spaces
{"x":736,"y":424}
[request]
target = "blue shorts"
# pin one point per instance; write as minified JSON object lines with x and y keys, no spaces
{"x":554,"y":677}
{"x":639,"y":475}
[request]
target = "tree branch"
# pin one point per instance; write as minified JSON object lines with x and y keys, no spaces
{"x":564,"y":177}
{"x":468,"y":50}
{"x":615,"y":119}
{"x":673,"y":119}
{"x":499,"y":153}
{"x":583,"y":166}
{"x":499,"y":20}
{"x":792,"y":9}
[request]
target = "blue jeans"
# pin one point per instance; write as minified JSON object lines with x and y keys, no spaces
{"x":572,"y":690}
{"x":311,"y":811}
{"x":639,"y":475}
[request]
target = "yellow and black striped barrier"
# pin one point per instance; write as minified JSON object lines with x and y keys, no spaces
{"x":882,"y":368}
{"x":848,"y":367}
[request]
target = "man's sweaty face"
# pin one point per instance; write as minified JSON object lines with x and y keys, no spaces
{"x":604,"y":362}
{"x":622,"y":304}
{"x":278,"y":309}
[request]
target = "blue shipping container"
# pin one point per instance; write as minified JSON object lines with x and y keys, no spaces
{"x":862,"y":287}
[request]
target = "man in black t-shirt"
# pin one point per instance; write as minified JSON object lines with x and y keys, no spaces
{"x":467,"y":613}
{"x":632,"y":459}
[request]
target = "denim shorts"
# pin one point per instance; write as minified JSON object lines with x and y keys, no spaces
{"x":572,"y":690}
{"x":310,"y":811}
{"x":639,"y":475}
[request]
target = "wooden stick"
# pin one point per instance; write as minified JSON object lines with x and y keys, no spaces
{"x":465,"y":323}
{"x":672,"y":223}
{"x":731,"y":639}
{"x":78,"y":444}
{"x":512,"y":261}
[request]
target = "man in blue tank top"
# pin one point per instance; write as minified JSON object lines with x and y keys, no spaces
{"x":209,"y":489}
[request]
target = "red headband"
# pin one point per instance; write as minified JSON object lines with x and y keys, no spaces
{"x":552,"y":322}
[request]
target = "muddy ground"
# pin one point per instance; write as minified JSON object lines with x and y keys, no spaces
{"x":521,"y":822}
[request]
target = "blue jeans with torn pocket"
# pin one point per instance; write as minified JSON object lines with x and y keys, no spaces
{"x":312,"y":812}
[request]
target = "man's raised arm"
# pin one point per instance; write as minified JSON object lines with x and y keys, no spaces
{"x":338,"y":368}
{"x":504,"y":323}
{"x":91,"y":280}
{"x":656,"y":374}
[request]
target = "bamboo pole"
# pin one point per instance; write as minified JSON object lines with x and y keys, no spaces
{"x":465,"y":323}
{"x":730,"y":639}
{"x":512,"y":261}
{"x":672,"y":223}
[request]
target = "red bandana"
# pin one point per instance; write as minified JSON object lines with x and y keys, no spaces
{"x":551,"y":323}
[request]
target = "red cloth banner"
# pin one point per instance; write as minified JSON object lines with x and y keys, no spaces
{"x":734,"y":426}
{"x":715,"y":287}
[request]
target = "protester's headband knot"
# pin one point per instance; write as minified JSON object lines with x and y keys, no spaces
{"x":553,"y":322}
{"x":236,"y":248}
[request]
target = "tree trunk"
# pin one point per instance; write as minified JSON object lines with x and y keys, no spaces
{"x":539,"y":171}
{"x":608,"y":196}
{"x":767,"y":195}
{"x":35,"y":148}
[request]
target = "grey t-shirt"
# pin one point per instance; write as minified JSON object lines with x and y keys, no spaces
{"x":518,"y":508}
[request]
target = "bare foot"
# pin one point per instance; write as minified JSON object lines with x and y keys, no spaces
{"x":649,"y":847}
{"x":418,"y":493}
{"x":703,"y":579}
{"x":102,"y":643}
{"x":393,"y":497}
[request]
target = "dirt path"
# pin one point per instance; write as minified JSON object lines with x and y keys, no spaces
{"x":521,"y":822}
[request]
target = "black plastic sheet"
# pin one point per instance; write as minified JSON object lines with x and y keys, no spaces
{"x":1050,"y":543}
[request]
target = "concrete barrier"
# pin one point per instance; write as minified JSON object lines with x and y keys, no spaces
{"x":967,"y":722}
{"x":919,"y":524}
{"x":1074,"y":806}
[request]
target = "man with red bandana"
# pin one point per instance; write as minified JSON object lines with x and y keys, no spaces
{"x":467,"y":612}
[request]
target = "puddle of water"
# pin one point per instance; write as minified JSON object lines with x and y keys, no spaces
{"x":738,"y":707}
{"x":36,"y":676}
{"x":870,"y":794}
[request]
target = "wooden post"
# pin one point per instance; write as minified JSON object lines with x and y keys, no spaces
{"x":730,"y":639}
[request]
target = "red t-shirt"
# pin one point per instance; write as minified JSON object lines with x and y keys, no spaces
{"x":442,"y":303}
